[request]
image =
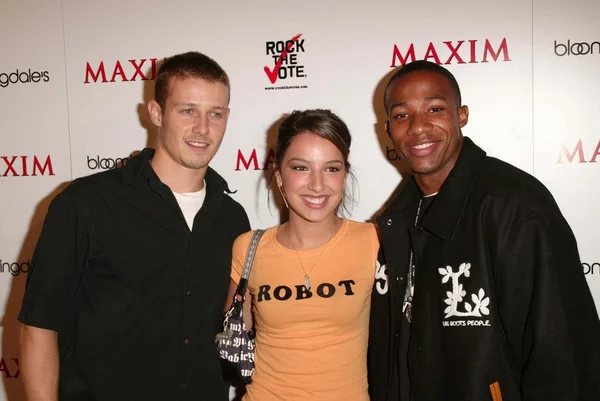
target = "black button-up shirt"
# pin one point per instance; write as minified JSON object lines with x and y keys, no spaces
{"x":136,"y":298}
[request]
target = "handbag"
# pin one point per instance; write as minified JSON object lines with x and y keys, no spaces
{"x":234,"y":343}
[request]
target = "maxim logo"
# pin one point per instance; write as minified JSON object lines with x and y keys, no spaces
{"x":454,"y":52}
{"x":10,"y":368}
{"x":25,"y":166}
{"x":575,"y":48}
{"x":579,"y":153}
{"x":122,"y":71}
{"x":250,"y":162}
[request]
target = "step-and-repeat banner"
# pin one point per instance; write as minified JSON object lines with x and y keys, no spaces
{"x":75,"y":76}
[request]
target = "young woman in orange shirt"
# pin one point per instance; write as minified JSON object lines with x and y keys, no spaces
{"x":310,"y":285}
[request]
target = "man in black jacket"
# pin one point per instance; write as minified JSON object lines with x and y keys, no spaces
{"x":129,"y":277}
{"x":481,"y":293}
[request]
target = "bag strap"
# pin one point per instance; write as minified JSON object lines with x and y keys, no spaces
{"x":243,"y":285}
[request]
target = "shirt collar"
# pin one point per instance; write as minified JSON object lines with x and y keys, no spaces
{"x":443,"y":216}
{"x":138,"y":169}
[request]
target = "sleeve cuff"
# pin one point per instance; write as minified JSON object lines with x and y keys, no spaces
{"x":39,"y":317}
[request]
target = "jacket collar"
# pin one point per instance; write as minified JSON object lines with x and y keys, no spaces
{"x":138,"y":169}
{"x":444,"y":214}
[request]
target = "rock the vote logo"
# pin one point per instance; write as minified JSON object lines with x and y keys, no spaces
{"x":284,"y":69}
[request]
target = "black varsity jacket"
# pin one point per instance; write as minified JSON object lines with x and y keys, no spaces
{"x":501,"y":303}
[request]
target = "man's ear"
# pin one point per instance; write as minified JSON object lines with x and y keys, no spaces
{"x":463,"y":116}
{"x":387,"y":128}
{"x":155,"y":112}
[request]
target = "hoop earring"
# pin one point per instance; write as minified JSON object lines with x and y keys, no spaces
{"x":283,"y":196}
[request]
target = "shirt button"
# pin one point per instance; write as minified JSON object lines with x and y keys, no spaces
{"x":398,"y":278}
{"x":186,"y":341}
{"x":188,"y":293}
{"x":421,"y":230}
{"x":389,"y":222}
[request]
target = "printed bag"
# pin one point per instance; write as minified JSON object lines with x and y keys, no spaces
{"x":235,"y":344}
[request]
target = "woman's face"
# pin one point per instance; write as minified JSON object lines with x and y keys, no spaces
{"x":312,"y":176}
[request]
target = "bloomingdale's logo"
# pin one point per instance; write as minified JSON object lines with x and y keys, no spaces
{"x":26,"y":166}
{"x":14,"y":268}
{"x":24,"y":77}
{"x":454,"y":52}
{"x":106,"y":163}
{"x":576,"y":48}
{"x":591,"y":268}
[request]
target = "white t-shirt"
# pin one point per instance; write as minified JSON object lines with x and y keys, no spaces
{"x":190,"y":203}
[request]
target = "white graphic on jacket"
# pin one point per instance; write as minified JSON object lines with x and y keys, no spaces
{"x":380,"y":275}
{"x":480,"y":301}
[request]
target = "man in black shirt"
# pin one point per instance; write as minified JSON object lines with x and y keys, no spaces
{"x":484,"y":296}
{"x":129,"y":277}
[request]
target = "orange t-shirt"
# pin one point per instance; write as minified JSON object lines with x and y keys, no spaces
{"x":311,"y":345}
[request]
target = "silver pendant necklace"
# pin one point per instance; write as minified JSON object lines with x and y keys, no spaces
{"x":410,"y":282}
{"x":306,"y":280}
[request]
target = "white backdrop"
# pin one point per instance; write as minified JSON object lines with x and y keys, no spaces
{"x":527,"y":69}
